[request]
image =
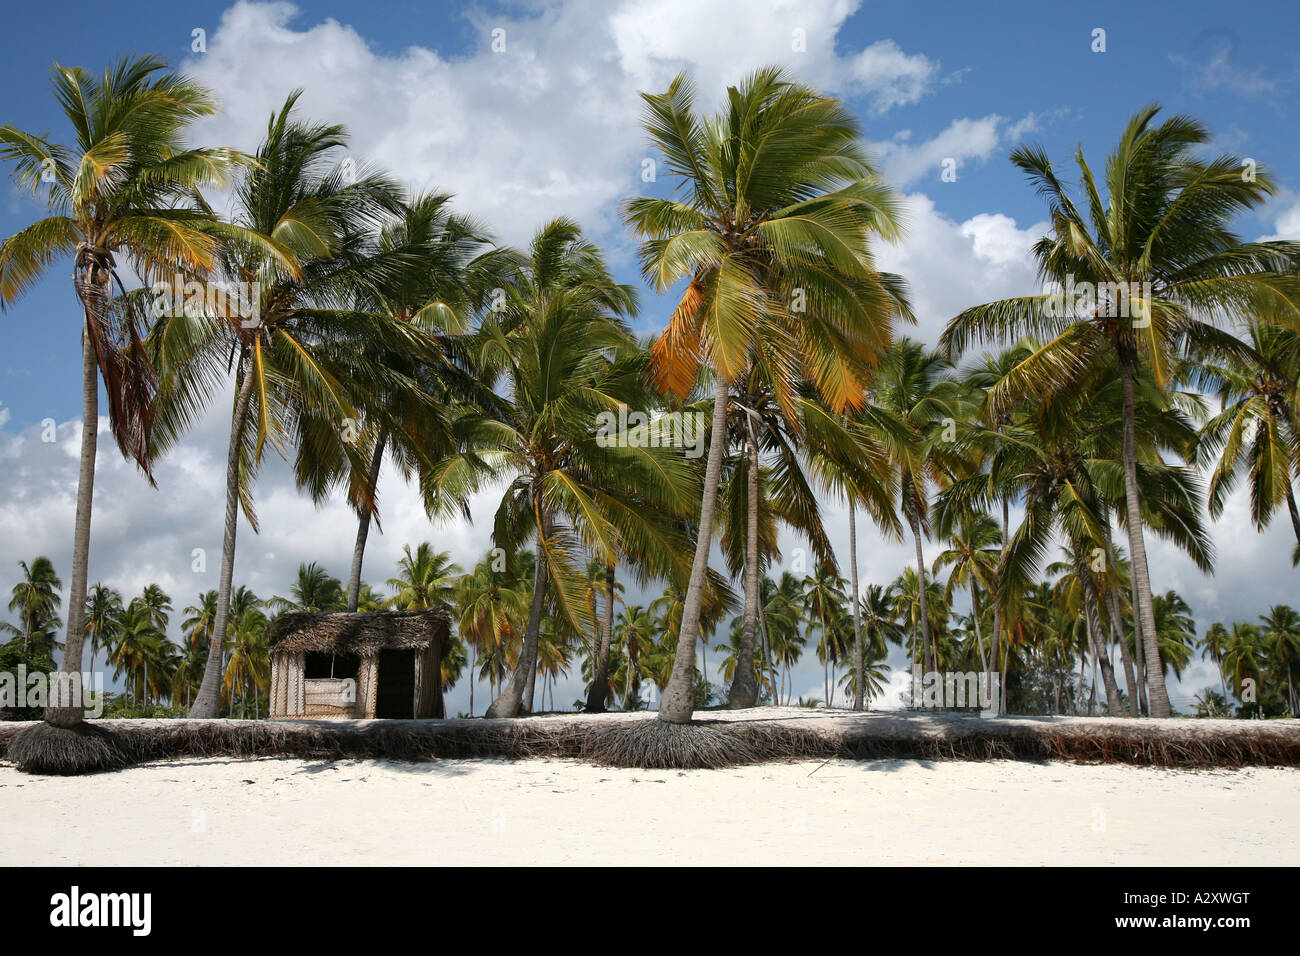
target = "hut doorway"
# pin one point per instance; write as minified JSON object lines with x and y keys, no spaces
{"x":395,"y":692}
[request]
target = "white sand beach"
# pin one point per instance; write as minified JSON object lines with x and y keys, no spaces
{"x":486,"y":812}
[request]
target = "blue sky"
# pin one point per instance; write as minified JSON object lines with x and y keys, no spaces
{"x":548,"y":126}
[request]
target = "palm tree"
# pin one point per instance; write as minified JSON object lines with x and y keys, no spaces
{"x":122,"y":187}
{"x":633,"y":634}
{"x":159,"y":603}
{"x":316,"y":591}
{"x":1176,"y":630}
{"x":600,"y":580}
{"x":975,"y":550}
{"x":783,"y":612}
{"x":1243,"y":656}
{"x":564,"y":357}
{"x":1256,"y":434}
{"x":823,"y":597}
{"x":300,"y":371}
{"x":770,"y":227}
{"x":490,"y":616}
{"x":1213,"y":645}
{"x":980,"y":379}
{"x":880,"y":625}
{"x":36,"y":598}
{"x":138,"y":642}
{"x":920,"y":613}
{"x":1281,"y":627}
{"x":436,"y":279}
{"x":103,"y":612}
{"x":249,"y":663}
{"x":916,"y":407}
{"x":424,"y":579}
{"x":1143,"y":270}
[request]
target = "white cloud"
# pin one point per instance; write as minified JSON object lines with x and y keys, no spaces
{"x":546,"y":126}
{"x":1219,"y":71}
{"x":950,"y":266}
{"x":964,"y":139}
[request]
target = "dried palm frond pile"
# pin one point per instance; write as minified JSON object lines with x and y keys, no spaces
{"x":639,"y":740}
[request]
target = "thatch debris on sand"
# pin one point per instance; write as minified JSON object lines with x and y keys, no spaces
{"x":714,"y":739}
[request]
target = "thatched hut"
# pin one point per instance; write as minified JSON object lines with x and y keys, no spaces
{"x":386,"y":664}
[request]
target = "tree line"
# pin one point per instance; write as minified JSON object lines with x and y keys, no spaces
{"x":390,"y":327}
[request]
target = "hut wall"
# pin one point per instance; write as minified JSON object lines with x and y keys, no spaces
{"x":428,"y":682}
{"x":287,"y":695}
{"x":367,"y":686}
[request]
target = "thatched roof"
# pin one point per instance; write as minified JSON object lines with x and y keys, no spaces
{"x":362,"y":634}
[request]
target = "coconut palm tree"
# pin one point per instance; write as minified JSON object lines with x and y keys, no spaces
{"x":974,"y":552}
{"x":159,"y":603}
{"x":915,"y":410}
{"x":138,"y":642}
{"x":249,"y":665}
{"x":600,"y":584}
{"x":880,"y":625}
{"x":823,"y":597}
{"x":633,"y":633}
{"x":1213,"y":644}
{"x":1138,"y":273}
{"x":301,"y":368}
{"x":436,"y":271}
{"x":1244,"y":656}
{"x":783,"y":612}
{"x":120,"y":188}
{"x":980,"y":379}
{"x":1176,"y":629}
{"x":565,"y":357}
{"x":36,"y":598}
{"x":491,"y":612}
{"x":1281,"y":629}
{"x":316,"y":591}
{"x":425,"y":579}
{"x":770,"y":226}
{"x":103,"y":611}
{"x":1256,"y":435}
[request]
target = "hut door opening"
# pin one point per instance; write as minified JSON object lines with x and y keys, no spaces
{"x":395,"y":694}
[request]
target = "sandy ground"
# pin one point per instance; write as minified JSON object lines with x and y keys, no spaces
{"x":488,"y":812}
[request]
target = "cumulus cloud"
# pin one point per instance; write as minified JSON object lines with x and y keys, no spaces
{"x":540,"y":117}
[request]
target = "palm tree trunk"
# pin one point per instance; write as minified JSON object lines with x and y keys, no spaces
{"x":61,"y":712}
{"x":997,"y":617}
{"x":519,"y":686}
{"x":859,"y":656}
{"x":1142,"y":601}
{"x":1094,"y":635}
{"x":744,"y":682}
{"x":599,"y":692}
{"x":1130,"y":676}
{"x":363,"y":525}
{"x":207,"y":701}
{"x":975,"y":617}
{"x":1291,"y":509}
{"x":1139,"y":652}
{"x":473,"y":673}
{"x":678,"y":700}
{"x":769,"y":664}
{"x":920,"y":579}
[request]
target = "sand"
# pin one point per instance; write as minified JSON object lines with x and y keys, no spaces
{"x":488,"y":812}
